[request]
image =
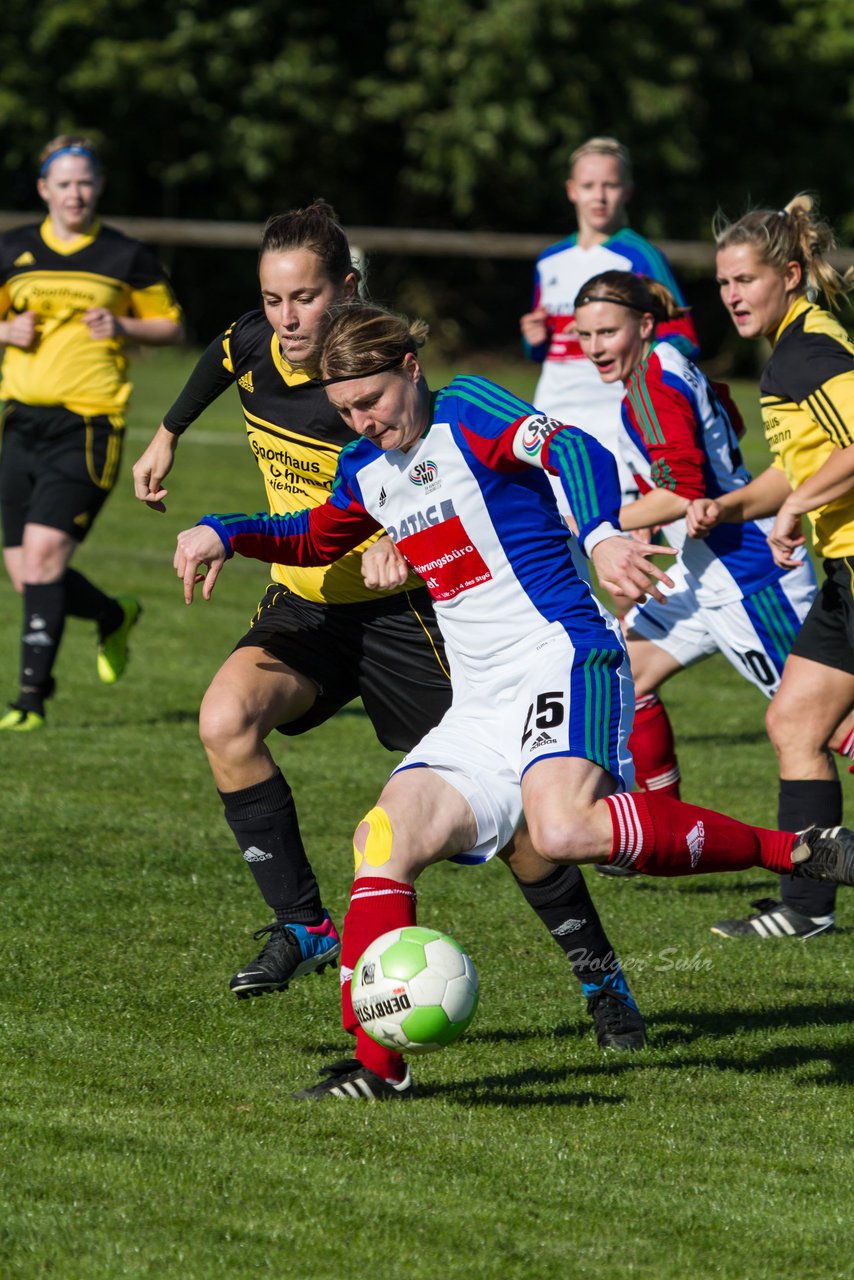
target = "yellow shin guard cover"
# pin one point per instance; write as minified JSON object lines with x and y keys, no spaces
{"x":378,"y":843}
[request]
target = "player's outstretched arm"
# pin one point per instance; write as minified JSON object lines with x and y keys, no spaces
{"x":208,"y":380}
{"x":197,"y":547}
{"x":624,"y":567}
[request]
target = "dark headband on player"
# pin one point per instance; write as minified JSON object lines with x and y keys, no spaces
{"x":620,"y":302}
{"x":369,"y":373}
{"x":73,"y":149}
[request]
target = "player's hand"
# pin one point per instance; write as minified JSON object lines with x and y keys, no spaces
{"x":199,"y":546}
{"x":20,"y":331}
{"x":701,"y":517}
{"x":151,"y":469}
{"x":786,"y":535}
{"x":383,"y":567}
{"x":625,"y":569}
{"x":534,"y":328}
{"x":101,"y":323}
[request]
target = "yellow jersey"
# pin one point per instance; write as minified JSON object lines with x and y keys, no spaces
{"x":60,"y":281}
{"x":807,"y":398}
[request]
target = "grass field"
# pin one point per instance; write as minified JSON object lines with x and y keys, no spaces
{"x":147,"y":1125}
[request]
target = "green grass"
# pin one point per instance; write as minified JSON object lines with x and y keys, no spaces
{"x":147,"y":1127}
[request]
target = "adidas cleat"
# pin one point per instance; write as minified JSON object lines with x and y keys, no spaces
{"x":16,"y":720}
{"x":774,"y":919}
{"x":349,"y":1079}
{"x":291,"y":951}
{"x":619,"y":1024}
{"x":824,"y":853}
{"x":113,"y":649}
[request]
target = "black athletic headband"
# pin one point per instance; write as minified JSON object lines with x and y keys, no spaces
{"x":620,"y":302}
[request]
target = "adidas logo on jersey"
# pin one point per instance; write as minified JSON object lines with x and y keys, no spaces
{"x":544,"y":740}
{"x":24,"y":259}
{"x":246,"y":381}
{"x":383,"y":496}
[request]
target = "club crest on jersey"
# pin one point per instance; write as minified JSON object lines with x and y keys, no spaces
{"x":425,"y":475}
{"x":535,"y":431}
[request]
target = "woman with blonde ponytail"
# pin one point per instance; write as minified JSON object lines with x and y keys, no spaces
{"x":777,"y":281}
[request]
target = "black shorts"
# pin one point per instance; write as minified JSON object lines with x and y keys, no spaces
{"x":827,"y":634}
{"x":387,"y":652}
{"x":56,"y":468}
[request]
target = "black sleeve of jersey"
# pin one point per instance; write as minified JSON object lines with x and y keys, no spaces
{"x":207,"y":381}
{"x":812,"y":360}
{"x":144,"y":269}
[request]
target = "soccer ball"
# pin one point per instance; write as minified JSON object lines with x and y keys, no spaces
{"x":414,"y":990}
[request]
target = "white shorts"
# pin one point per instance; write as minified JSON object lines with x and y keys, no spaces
{"x":556,"y":701}
{"x":755,"y":633}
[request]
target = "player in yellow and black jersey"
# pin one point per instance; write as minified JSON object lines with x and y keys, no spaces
{"x":320,"y":637}
{"x":72,"y":294}
{"x":771,"y":266}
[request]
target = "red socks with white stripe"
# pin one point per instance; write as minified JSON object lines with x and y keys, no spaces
{"x":376,"y":905}
{"x":846,"y":749}
{"x":653,"y":748}
{"x":660,"y":836}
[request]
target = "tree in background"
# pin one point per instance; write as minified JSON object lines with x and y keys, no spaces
{"x":442,"y":113}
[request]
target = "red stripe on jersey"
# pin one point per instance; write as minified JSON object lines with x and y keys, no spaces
{"x":664,"y":419}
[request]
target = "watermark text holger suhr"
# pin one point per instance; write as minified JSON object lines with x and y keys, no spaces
{"x":667,"y":960}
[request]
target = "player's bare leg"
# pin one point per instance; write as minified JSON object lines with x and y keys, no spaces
{"x":575,"y":814}
{"x":250,"y":695}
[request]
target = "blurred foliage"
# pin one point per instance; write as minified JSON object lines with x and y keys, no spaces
{"x":442,"y":113}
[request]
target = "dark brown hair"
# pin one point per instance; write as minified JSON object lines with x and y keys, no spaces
{"x":316,"y":228}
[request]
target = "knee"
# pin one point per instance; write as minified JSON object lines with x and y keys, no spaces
{"x":373,"y":842}
{"x":564,"y":839}
{"x":786,"y":728}
{"x":225,"y":724}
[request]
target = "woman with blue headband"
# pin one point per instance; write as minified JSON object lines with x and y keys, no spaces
{"x":72,"y":295}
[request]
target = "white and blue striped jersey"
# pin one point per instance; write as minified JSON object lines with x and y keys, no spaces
{"x":471,"y":509}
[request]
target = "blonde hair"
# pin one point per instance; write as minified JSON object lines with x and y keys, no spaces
{"x":796,"y":233}
{"x":601,"y":146}
{"x":69,"y":144}
{"x":638,"y":293}
{"x":364,"y":340}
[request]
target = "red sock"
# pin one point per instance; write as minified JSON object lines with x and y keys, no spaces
{"x":846,"y":749}
{"x":376,"y":905}
{"x":653,"y":748}
{"x":664,"y":837}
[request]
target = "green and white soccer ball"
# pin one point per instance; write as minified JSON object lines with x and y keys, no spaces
{"x":414,"y":990}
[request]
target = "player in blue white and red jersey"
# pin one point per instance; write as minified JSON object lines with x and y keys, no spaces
{"x":731,"y":597}
{"x":321,"y":636}
{"x":542,"y":699}
{"x":569,"y":389}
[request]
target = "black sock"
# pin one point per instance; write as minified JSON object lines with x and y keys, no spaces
{"x":801,"y":805}
{"x":84,"y":600}
{"x":563,"y":903}
{"x":44,"y":623}
{"x":264,"y":821}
